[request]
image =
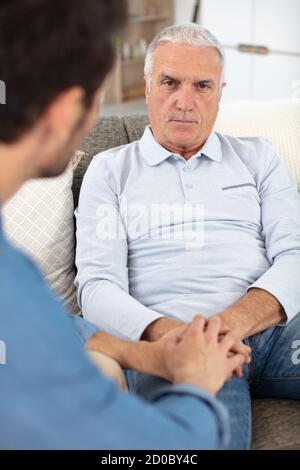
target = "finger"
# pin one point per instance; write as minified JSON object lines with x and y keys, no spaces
{"x":227,"y":342}
{"x":247,"y":357}
{"x":246,"y":354}
{"x":235,"y":362}
{"x":180,"y":332}
{"x":197,"y":326}
{"x":213,"y":328}
{"x":240,"y":347}
{"x":238,"y":371}
{"x":198,"y":322}
{"x":174,"y":335}
{"x":224,"y":329}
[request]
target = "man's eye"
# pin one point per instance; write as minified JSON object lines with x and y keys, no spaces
{"x":203,"y":85}
{"x":169,"y":83}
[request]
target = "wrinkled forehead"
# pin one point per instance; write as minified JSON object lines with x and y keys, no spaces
{"x":186,"y":60}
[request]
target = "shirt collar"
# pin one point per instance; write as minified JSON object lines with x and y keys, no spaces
{"x":212,"y":148}
{"x":151,"y":150}
{"x":154,"y":153}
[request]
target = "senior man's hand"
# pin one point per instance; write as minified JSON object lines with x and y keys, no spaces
{"x":238,"y":347}
{"x":160,"y":327}
{"x":160,"y":330}
{"x":197,"y":354}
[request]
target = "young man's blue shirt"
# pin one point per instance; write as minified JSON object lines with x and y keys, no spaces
{"x":52,"y":397}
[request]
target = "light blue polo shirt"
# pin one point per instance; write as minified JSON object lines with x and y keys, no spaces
{"x":161,"y":236}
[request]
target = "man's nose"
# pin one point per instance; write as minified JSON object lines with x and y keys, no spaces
{"x":185,"y":100}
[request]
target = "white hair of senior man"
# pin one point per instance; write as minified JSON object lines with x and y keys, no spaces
{"x":187,"y":33}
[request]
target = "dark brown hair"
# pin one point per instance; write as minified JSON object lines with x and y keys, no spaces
{"x":48,"y":46}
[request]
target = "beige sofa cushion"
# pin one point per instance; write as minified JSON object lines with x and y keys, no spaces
{"x":39,"y":219}
{"x":276,"y":121}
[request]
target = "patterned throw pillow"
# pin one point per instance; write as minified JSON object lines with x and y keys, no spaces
{"x":39,"y":219}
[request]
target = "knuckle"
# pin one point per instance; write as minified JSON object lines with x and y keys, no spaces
{"x":231,"y":336}
{"x":199,"y":317}
{"x":215,"y":320}
{"x":209,"y":337}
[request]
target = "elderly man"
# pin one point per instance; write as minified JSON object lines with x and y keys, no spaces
{"x":196,"y":222}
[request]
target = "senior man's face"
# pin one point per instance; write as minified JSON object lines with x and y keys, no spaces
{"x":183,"y":96}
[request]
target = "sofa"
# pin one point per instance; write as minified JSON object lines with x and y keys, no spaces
{"x":276,"y":423}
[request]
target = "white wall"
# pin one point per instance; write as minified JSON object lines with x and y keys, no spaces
{"x":271,"y":23}
{"x":183,"y":10}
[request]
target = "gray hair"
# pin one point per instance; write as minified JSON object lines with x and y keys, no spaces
{"x":187,"y":33}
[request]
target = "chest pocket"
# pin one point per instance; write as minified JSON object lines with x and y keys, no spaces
{"x":237,"y":186}
{"x":241,"y":201}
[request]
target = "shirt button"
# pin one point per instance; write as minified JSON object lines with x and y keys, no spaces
{"x":187,"y":168}
{"x":189,"y":186}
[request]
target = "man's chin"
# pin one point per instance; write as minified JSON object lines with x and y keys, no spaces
{"x":182,"y":141}
{"x":184,"y":133}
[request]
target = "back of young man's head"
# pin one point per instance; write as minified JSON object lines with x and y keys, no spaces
{"x":48,"y":47}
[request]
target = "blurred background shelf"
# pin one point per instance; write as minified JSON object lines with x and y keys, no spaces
{"x":146,"y":19}
{"x":261,"y":40}
{"x":129,"y":62}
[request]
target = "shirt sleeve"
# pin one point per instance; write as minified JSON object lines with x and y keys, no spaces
{"x":280,"y":217}
{"x":101,"y":259}
{"x":85,"y":329}
{"x":215,"y":406}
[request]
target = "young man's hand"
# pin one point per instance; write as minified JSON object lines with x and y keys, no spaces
{"x":153,"y":358}
{"x":199,"y":354}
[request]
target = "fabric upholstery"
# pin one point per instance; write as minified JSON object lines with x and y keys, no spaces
{"x":39,"y":219}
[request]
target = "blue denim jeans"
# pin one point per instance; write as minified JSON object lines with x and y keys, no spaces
{"x":273,"y":373}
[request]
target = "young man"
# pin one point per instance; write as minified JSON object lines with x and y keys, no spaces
{"x":54,"y":57}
